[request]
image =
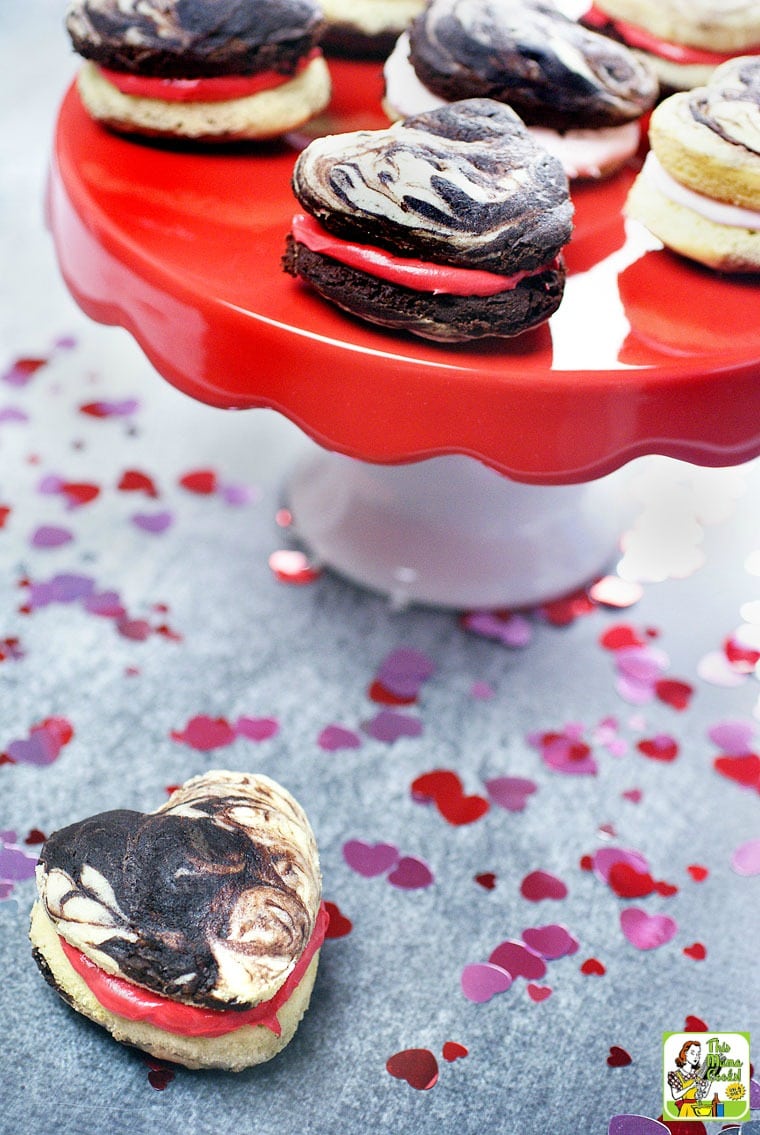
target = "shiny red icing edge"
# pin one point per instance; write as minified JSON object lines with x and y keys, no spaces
{"x":636,"y":36}
{"x":134,"y":1003}
{"x":406,"y":272}
{"x":216,"y":88}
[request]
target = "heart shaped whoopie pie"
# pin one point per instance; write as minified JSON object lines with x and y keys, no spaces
{"x":193,"y":931}
{"x":448,"y":224}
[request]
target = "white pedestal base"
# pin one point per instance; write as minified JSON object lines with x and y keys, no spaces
{"x":451,"y":532}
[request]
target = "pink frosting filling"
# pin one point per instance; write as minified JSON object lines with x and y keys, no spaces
{"x":137,"y":1004}
{"x":218,"y":88}
{"x":421,"y":275}
{"x":636,"y":36}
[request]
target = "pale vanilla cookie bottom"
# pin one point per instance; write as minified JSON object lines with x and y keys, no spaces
{"x":723,"y":247}
{"x":715,"y":25}
{"x":241,"y":1048}
{"x":264,"y":115}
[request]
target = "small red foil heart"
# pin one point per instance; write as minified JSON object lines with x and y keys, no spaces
{"x":674,"y":693}
{"x":694,"y":1024}
{"x":698,"y":872}
{"x":338,"y":926}
{"x":629,"y":883}
{"x":418,"y":1066}
{"x":696,"y":951}
{"x":452,"y":1051}
{"x":618,"y":1057}
{"x":487,"y":880}
{"x":538,"y":992}
{"x":201,"y":481}
{"x":593,"y":966}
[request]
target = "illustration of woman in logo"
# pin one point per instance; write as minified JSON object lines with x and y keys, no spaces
{"x":687,"y":1084}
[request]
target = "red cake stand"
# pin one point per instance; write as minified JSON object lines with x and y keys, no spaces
{"x":458,"y":475}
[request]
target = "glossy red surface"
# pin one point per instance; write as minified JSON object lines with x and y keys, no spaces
{"x":647,"y":353}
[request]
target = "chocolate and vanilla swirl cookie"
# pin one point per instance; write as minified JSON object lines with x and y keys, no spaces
{"x":215,"y":69}
{"x":193,"y":931}
{"x":559,"y":76}
{"x":449,"y":224}
{"x":699,"y":189}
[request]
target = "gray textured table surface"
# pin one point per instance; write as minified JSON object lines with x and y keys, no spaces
{"x":210,"y":632}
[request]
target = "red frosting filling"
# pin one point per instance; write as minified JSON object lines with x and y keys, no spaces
{"x":636,"y":36}
{"x":218,"y":88}
{"x":421,"y":275}
{"x":137,"y":1004}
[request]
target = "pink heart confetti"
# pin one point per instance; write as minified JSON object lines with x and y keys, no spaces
{"x":510,"y":792}
{"x":635,"y":795}
{"x":566,"y":754}
{"x":480,"y":981}
{"x":504,"y":627}
{"x":335,"y":737}
{"x":605,"y":858}
{"x":256,"y":728}
{"x":12,"y":414}
{"x":411,"y":874}
{"x":715,"y":668}
{"x":647,"y":931}
{"x":390,"y":726}
{"x":636,"y":1125}
{"x":370,"y":859}
{"x":552,"y":941}
{"x":44,"y":743}
{"x":540,"y":885}
{"x":538,"y":992}
{"x":518,"y":959}
{"x":417,"y":1066}
{"x":404,"y":671}
{"x":205,"y":733}
{"x":746,"y":858}
{"x":732,"y":737}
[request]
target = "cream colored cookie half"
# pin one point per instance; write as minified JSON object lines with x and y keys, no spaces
{"x":263,"y":115}
{"x":700,"y":158}
{"x":714,"y":25}
{"x":372,"y":17}
{"x":242,"y":1048}
{"x":723,"y":247}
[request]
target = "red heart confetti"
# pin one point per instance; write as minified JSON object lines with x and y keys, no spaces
{"x":659,"y":748}
{"x":538,"y":992}
{"x":377,"y":692}
{"x":518,"y":959}
{"x":487,"y":880}
{"x":452,"y":1051}
{"x":135,"y":481}
{"x":417,"y":1066}
{"x":22,"y":370}
{"x":674,"y":693}
{"x":288,"y":565}
{"x":201,"y":481}
{"x":205,"y":733}
{"x":629,"y":883}
{"x":620,"y":637}
{"x":684,"y":1126}
{"x":744,"y":770}
{"x":35,"y":836}
{"x":593,"y":967}
{"x":565,"y":610}
{"x":110,"y":409}
{"x":696,"y":951}
{"x":694,"y":1025}
{"x":79,"y":493}
{"x":445,"y":789}
{"x":540,"y":885}
{"x":339,"y":926}
{"x":160,"y":1075}
{"x":698,"y":872}
{"x":743,"y":658}
{"x":618,"y":1057}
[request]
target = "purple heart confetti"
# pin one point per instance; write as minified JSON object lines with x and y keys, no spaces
{"x":411,"y":874}
{"x":636,"y":1125}
{"x":256,"y":728}
{"x":510,"y":792}
{"x":335,"y":737}
{"x":51,"y":536}
{"x":732,"y":737}
{"x":370,"y":859}
{"x":404,"y":671}
{"x":154,"y":522}
{"x":605,"y":858}
{"x":480,"y":981}
{"x":389,"y":726}
{"x":552,"y":941}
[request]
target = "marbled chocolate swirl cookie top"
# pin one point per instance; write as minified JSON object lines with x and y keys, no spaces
{"x":209,"y":900}
{"x":729,"y":104}
{"x":463,"y":185}
{"x":190,"y":39}
{"x":549,"y":68}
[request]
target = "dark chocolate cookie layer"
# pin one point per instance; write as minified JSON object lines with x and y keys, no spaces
{"x":443,"y":318}
{"x":551,"y":69}
{"x":190,"y":39}
{"x":464,"y":185}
